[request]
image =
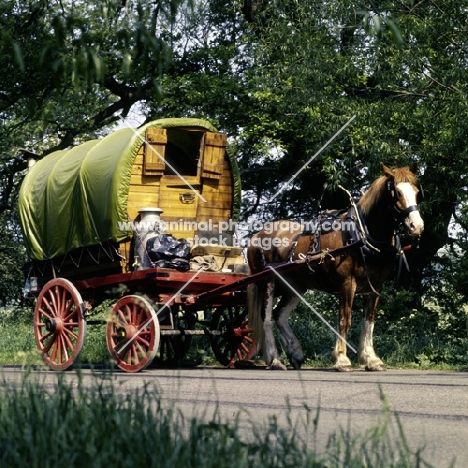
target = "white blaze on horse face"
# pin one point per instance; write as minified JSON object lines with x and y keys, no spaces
{"x":413,"y":221}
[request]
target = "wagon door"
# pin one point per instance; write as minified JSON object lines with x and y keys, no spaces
{"x":184,"y":172}
{"x":217,"y":180}
{"x":180,"y":189}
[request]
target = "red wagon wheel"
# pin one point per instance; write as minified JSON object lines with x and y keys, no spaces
{"x":59,"y":324}
{"x":132,"y":334}
{"x":235,"y":343}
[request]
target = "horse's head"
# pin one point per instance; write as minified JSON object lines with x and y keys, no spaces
{"x":404,"y":192}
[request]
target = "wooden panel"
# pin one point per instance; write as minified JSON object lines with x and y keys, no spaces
{"x":219,"y":197}
{"x":214,"y":212}
{"x":144,"y":180}
{"x":155,"y":148}
{"x":214,"y":148}
{"x":146,"y":188}
{"x":138,"y":161}
{"x":179,"y":201}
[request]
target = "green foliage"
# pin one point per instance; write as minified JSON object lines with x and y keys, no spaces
{"x":11,"y":261}
{"x":70,"y":69}
{"x":17,"y":345}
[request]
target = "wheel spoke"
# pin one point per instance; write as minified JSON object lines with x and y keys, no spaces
{"x":69,"y":313}
{"x":49,"y":343}
{"x":65,"y":347}
{"x":66,"y":339}
{"x":122,"y":316}
{"x":53,"y":300}
{"x":68,"y":310}
{"x":47,"y":335}
{"x":133,"y":315}
{"x":139,"y":340}
{"x":56,"y":345}
{"x":50,"y":308}
{"x":141,"y":349}
{"x":62,"y":302}
{"x":43,"y":312}
{"x":244,"y":347}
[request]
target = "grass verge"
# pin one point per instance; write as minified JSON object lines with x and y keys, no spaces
{"x":72,"y":424}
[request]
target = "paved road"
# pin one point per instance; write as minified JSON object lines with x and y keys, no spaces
{"x":432,"y":406}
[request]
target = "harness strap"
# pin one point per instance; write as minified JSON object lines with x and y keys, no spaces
{"x":371,"y":245}
{"x":293,"y":247}
{"x":407,"y":211}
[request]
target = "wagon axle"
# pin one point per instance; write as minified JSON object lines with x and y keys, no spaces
{"x":53,"y":325}
{"x":123,"y":334}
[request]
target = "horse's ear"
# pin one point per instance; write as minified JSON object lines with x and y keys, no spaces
{"x":386,"y":170}
{"x":414,"y":168}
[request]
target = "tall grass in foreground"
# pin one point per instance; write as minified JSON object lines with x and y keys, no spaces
{"x":70,"y":424}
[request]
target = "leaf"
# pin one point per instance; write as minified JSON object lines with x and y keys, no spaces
{"x":18,"y":56}
{"x":397,"y":37}
{"x":377,"y":25}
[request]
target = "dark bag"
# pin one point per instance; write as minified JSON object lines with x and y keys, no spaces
{"x":168,"y":252}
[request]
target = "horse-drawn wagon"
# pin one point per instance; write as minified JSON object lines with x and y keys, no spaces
{"x":146,"y":217}
{"x":91,"y":218}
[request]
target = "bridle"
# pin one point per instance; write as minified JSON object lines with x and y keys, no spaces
{"x":395,"y":198}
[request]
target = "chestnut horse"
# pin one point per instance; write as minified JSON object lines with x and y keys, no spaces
{"x":390,"y":202}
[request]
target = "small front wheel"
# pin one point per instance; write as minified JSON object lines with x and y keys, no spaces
{"x":132,"y":333}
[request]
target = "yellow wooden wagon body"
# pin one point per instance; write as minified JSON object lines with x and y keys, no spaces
{"x":78,"y":207}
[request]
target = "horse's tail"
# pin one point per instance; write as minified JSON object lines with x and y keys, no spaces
{"x":254,"y":308}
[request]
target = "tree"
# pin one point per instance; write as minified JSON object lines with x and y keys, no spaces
{"x":400,"y":67}
{"x":71,"y":69}
{"x":12,"y":259}
{"x":280,"y":77}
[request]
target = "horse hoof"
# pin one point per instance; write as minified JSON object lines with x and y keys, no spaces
{"x":377,"y":368}
{"x":343,"y":368}
{"x":276,"y":365}
{"x":296,"y":364}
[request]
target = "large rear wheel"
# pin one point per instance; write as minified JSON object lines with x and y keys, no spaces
{"x":132,"y":333}
{"x":59,"y":324}
{"x":234,"y":341}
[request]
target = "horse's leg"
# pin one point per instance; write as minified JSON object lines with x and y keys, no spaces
{"x":270,"y":349}
{"x":289,"y":341}
{"x":366,"y":353}
{"x":346,"y":296}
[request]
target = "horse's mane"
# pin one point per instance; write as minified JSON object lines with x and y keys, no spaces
{"x":377,"y":189}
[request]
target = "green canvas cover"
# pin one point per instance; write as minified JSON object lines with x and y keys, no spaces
{"x":75,"y":198}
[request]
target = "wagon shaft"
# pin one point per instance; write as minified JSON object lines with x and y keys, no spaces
{"x":285,"y":267}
